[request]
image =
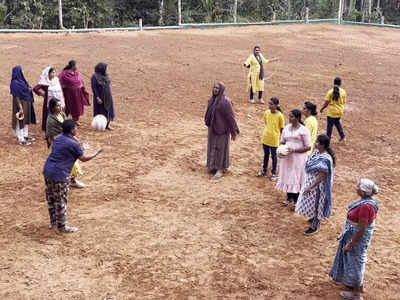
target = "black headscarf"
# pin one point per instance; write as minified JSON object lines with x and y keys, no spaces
{"x":104,"y":80}
{"x":259,"y":59}
{"x":210,"y":114}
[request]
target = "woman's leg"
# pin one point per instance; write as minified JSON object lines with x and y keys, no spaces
{"x":50,"y":202}
{"x":266,"y":158}
{"x":251,"y":95}
{"x":329,"y":126}
{"x":260,"y":97}
{"x":19,"y":132}
{"x":274,"y":159}
{"x":339,"y":128}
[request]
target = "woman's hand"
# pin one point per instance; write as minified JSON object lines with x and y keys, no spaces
{"x":233,"y":137}
{"x":307,"y":190}
{"x":348,"y":248}
{"x":99,"y":151}
{"x":99,"y":101}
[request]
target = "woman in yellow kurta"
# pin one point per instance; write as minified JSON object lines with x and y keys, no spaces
{"x":311,"y":122}
{"x":256,"y":63}
{"x":274,"y":124}
{"x":335,"y":100}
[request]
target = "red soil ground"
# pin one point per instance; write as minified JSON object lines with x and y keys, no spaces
{"x":152,"y":224}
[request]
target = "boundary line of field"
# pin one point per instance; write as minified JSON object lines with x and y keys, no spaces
{"x":194,"y":26}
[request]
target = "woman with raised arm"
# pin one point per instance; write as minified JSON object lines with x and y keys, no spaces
{"x":255,"y":62}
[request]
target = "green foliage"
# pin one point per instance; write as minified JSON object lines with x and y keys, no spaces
{"x":117,"y":13}
{"x":3,"y":12}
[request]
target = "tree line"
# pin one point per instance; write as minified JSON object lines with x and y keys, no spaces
{"x":44,"y":14}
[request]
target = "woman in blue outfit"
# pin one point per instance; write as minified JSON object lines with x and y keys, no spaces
{"x":22,"y":105}
{"x":349,"y":265}
{"x":103,"y":101}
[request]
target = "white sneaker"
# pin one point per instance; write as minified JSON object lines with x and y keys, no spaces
{"x":252,"y":101}
{"x":77,"y":184}
{"x":261,"y":101}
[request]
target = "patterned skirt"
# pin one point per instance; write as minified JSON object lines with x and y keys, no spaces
{"x":348,"y":267}
{"x":312,"y":204}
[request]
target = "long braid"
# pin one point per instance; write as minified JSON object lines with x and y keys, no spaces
{"x":332,"y":154}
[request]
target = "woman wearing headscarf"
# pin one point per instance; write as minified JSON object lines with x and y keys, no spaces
{"x":55,"y":119}
{"x":102,"y":96}
{"x":49,"y":87}
{"x":291,"y":172}
{"x":255,"y":79}
{"x":221,"y":124}
{"x":22,"y":105}
{"x":315,"y":199}
{"x":75,"y":94}
{"x":349,"y":265}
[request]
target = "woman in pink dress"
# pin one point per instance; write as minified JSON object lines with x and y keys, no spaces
{"x":75,"y":94}
{"x":291,"y":173}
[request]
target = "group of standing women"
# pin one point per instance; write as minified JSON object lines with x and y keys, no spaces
{"x":64,"y":96}
{"x":306,"y":171}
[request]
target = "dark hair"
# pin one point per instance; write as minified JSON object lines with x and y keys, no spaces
{"x":325,"y":141}
{"x":68,"y":126}
{"x":297,"y":114}
{"x":71,"y":64}
{"x":52,"y":104}
{"x":275,"y":101}
{"x":101,"y":68}
{"x":311,"y":107}
{"x":51,"y":70}
{"x":255,"y":47}
{"x":336,"y":83}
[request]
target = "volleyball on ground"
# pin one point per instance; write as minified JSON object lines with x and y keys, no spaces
{"x":99,"y":123}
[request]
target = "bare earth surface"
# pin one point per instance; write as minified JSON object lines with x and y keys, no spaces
{"x":152,"y":223}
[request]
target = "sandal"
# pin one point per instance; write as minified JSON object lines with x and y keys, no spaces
{"x":29,"y":138}
{"x":24,"y":143}
{"x":286,"y":202}
{"x":261,"y":174}
{"x":67,"y":229}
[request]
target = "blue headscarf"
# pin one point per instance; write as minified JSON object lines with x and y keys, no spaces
{"x":19,"y":87}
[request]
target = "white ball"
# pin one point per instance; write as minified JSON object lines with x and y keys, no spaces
{"x":282,"y":150}
{"x":99,"y":122}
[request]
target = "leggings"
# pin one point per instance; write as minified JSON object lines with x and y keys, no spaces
{"x":267,"y":150}
{"x":260,"y":94}
{"x":293,"y":196}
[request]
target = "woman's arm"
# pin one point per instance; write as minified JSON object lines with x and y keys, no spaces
{"x":362,"y":227}
{"x":85,"y":158}
{"x":247,"y":63}
{"x":324,"y":106}
{"x":38,"y":90}
{"x":321,"y":177}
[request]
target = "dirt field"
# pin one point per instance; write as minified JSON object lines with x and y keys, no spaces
{"x":152,"y":223}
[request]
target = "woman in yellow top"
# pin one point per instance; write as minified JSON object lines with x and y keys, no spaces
{"x":53,"y":128}
{"x":311,"y":122}
{"x":256,"y":63}
{"x":274,"y":124}
{"x":335,"y":101}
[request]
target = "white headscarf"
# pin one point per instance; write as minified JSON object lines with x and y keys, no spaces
{"x":54,"y":90}
{"x":368,"y":187}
